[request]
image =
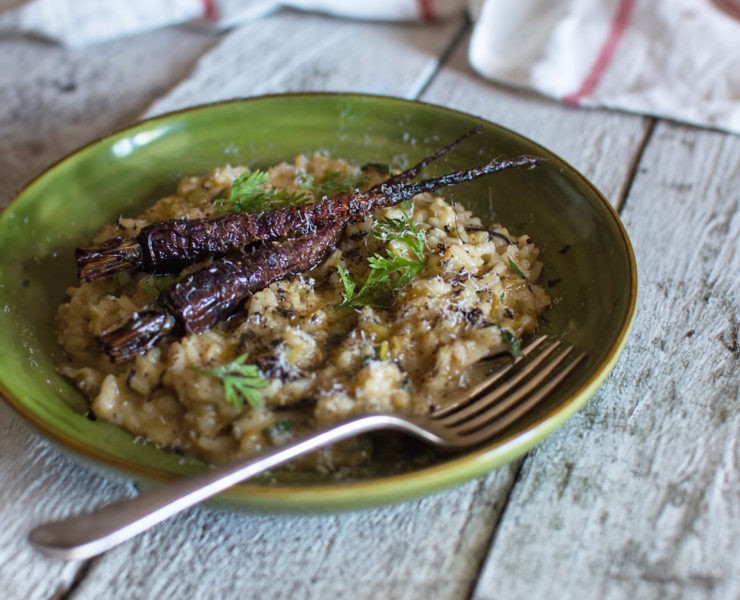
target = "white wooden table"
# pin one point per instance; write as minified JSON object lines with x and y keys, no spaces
{"x":637,"y":496}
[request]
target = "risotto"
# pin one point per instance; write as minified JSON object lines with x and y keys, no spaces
{"x":317,"y":358}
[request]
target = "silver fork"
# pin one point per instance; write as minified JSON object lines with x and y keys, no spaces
{"x":482,"y":412}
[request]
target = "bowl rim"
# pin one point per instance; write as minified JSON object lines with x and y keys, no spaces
{"x":330,"y":496}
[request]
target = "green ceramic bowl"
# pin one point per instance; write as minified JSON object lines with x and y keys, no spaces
{"x":586,"y":251}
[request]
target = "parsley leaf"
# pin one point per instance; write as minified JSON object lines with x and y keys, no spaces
{"x":390,"y":272}
{"x":279,"y":429}
{"x":515,"y":267}
{"x":515,"y":348}
{"x":403,"y":230}
{"x":241,"y":382}
{"x":348,"y":281}
{"x":371,"y":293}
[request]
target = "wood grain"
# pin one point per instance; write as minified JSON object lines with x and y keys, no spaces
{"x":54,"y":100}
{"x":395,"y":552}
{"x":39,"y":483}
{"x":329,"y":55}
{"x":638,"y":496}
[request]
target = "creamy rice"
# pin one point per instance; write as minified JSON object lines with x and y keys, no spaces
{"x":322,"y":363}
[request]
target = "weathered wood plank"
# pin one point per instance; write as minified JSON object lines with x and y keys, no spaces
{"x":39,"y":483}
{"x":404,"y":551}
{"x":639,"y":494}
{"x":602,"y":144}
{"x":290,"y":52}
{"x":53,"y":100}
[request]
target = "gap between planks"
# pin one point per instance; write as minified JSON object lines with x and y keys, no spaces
{"x":447,"y":53}
{"x":79,"y":576}
{"x":624,"y":193}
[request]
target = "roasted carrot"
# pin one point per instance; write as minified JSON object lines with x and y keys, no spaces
{"x":169,"y":246}
{"x":209,"y":295}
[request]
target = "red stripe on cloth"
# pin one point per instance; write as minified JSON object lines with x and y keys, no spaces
{"x":425,"y":10}
{"x":619,"y":24}
{"x":731,"y":7}
{"x":209,"y":10}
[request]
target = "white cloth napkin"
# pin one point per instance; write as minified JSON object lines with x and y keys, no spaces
{"x":678,"y":59}
{"x":77,"y":23}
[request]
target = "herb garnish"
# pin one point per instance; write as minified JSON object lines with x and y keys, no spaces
{"x":278,"y":429}
{"x":251,"y":192}
{"x":336,"y":182}
{"x":516,"y":269}
{"x":515,"y":348}
{"x":241,"y":382}
{"x":387,"y":273}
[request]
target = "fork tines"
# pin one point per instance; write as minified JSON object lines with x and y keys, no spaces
{"x":495,"y":403}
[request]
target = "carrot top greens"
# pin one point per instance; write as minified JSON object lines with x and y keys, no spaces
{"x":252,"y":192}
{"x":391,"y":272}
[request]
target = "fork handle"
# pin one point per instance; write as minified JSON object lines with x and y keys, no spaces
{"x":86,"y":535}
